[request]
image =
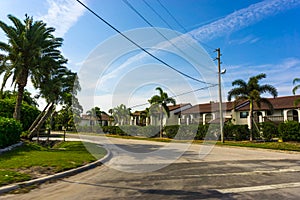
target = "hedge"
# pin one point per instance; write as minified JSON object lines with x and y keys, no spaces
{"x":289,"y":131}
{"x":236,"y":132}
{"x":10,"y":131}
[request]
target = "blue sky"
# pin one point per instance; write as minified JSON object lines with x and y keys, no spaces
{"x":254,"y":37}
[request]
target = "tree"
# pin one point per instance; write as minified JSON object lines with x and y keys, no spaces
{"x":26,"y":97}
{"x":31,"y":51}
{"x":296,"y":80}
{"x":96,"y":113}
{"x":162,"y":100}
{"x":61,"y":89}
{"x":252,"y":91}
{"x":121,"y":114}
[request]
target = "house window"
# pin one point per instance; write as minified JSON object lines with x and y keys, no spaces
{"x":244,"y":114}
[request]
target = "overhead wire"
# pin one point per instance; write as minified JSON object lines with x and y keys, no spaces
{"x":140,"y":47}
{"x":181,"y":94}
{"x":180,"y":25}
{"x":172,"y":28}
{"x":158,"y":31}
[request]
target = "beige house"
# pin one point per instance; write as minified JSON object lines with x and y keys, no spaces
{"x":139,"y":118}
{"x":284,"y":109}
{"x":87,"y":120}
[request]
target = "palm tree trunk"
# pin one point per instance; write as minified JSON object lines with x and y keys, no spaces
{"x":41,"y":122}
{"x":38,"y":118}
{"x":251,"y":120}
{"x":22,"y":82}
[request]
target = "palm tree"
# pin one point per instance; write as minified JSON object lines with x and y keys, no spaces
{"x":96,"y":113}
{"x":162,"y":100}
{"x":252,"y":91}
{"x":60,"y":89}
{"x":296,"y":80}
{"x":31,"y":51}
{"x":122,"y":114}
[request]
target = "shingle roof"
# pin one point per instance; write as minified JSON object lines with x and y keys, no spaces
{"x":286,"y":102}
{"x":207,"y":108}
{"x":104,"y":117}
{"x":178,"y":106}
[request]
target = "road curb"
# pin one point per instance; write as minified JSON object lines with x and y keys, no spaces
{"x":64,"y":174}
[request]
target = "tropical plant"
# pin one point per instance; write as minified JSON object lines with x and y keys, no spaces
{"x":31,"y":51}
{"x":27,"y":98}
{"x":61,"y":89}
{"x":252,"y":91}
{"x":96,"y":113}
{"x":122,"y":114}
{"x":160,"y":101}
{"x":296,"y":80}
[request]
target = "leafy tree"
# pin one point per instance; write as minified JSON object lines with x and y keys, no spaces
{"x":26,"y":97}
{"x":252,"y":91}
{"x":161,"y":101}
{"x":31,"y":51}
{"x":296,"y":80}
{"x":28,"y":112}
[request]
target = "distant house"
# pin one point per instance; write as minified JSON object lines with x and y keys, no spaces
{"x":139,"y":118}
{"x":205,"y":113}
{"x":284,"y":109}
{"x":87,"y":120}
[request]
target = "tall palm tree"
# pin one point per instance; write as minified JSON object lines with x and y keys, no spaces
{"x":61,"y":89}
{"x":122,"y":114}
{"x":31,"y":51}
{"x":296,"y":80}
{"x":162,"y":100}
{"x":96,"y":113}
{"x":252,"y":91}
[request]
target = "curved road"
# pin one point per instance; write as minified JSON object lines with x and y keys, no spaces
{"x":151,"y":170}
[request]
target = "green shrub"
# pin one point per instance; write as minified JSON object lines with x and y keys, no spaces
{"x":10,"y":131}
{"x":236,"y":132}
{"x":186,"y":132}
{"x":171,"y":130}
{"x":289,"y":131}
{"x":28,"y":113}
{"x":269,"y":130}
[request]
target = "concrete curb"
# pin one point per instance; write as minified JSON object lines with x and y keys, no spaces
{"x":64,"y":174}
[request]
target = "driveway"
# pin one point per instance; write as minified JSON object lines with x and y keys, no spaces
{"x":156,"y":170}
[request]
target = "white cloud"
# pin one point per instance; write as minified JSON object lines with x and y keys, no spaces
{"x":62,"y":14}
{"x":243,"y":18}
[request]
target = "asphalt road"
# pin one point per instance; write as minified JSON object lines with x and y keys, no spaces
{"x":155,"y":170}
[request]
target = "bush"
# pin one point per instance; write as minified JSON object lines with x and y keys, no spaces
{"x":236,"y":132}
{"x":28,"y":113}
{"x":10,"y":131}
{"x":269,"y":130}
{"x":289,"y":131}
{"x":186,"y":132}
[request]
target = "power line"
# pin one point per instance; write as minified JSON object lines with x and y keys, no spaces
{"x":161,"y":34}
{"x":179,"y":24}
{"x":181,"y":94}
{"x":140,"y":47}
{"x":172,"y":28}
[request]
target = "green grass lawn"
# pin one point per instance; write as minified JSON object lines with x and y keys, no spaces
{"x":32,"y":160}
{"x":287,"y":146}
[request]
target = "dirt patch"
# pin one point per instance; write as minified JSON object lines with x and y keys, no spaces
{"x":37,"y":171}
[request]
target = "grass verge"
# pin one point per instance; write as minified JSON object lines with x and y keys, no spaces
{"x":286,"y":146}
{"x":32,"y":160}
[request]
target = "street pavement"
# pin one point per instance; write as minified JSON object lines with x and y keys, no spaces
{"x":156,"y":170}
